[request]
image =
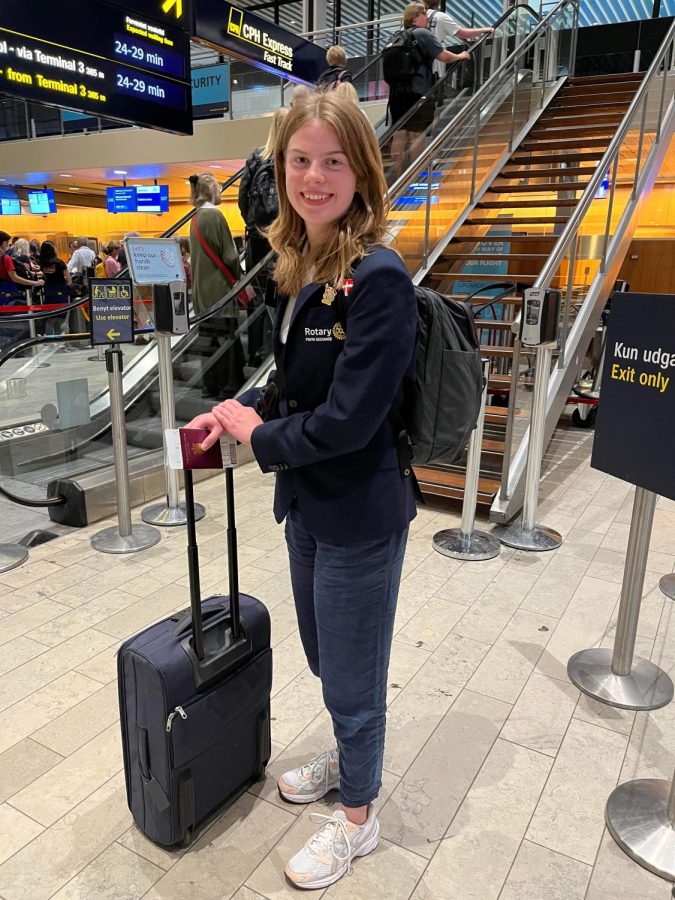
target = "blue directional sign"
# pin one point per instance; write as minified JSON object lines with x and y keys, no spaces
{"x":112,"y":311}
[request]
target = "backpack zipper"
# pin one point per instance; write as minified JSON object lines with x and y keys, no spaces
{"x":178,"y":711}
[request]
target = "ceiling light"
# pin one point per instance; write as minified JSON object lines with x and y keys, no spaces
{"x":65,"y":175}
{"x":120,"y":172}
{"x":73,"y":188}
{"x":3,"y":179}
{"x":214,"y":167}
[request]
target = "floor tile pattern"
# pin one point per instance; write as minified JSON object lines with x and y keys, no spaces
{"x":496,"y":768}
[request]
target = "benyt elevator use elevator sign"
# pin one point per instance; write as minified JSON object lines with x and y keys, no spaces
{"x":98,"y":58}
{"x":635,"y":429}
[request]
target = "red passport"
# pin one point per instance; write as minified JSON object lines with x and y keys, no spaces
{"x":194,"y":457}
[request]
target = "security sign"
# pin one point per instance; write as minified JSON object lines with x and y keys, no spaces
{"x":112,"y":311}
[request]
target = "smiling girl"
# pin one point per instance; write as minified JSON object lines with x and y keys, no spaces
{"x":339,"y":485}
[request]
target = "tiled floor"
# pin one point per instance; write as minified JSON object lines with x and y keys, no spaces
{"x":497,"y":771}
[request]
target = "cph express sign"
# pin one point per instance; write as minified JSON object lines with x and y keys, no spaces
{"x":263,"y":44}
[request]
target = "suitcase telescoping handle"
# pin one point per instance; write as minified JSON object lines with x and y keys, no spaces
{"x":193,"y":563}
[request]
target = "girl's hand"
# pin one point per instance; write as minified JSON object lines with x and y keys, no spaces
{"x":237,"y":420}
{"x":209,"y":421}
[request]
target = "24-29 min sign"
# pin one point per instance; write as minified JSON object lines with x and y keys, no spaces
{"x":100,"y":59}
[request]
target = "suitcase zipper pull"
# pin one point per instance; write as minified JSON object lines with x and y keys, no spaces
{"x":178,"y":711}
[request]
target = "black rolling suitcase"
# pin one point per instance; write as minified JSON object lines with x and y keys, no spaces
{"x":194,"y":694}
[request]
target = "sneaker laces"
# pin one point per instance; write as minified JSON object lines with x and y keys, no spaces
{"x":326,"y":837}
{"x":318,"y":769}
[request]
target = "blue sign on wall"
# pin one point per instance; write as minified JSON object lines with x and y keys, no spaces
{"x":211,"y":89}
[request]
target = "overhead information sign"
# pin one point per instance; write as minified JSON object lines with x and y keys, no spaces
{"x":100,"y":59}
{"x":253,"y":39}
{"x":154,"y":260}
{"x":112,"y":315}
{"x":635,"y":428}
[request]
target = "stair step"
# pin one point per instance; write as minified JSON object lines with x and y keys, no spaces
{"x":547,"y":173}
{"x":562,"y":116}
{"x":574,"y":131}
{"x":468,"y":276}
{"x":572,"y":156}
{"x":497,"y":351}
{"x":621,"y":77}
{"x":526,"y":204}
{"x":612,"y":102}
{"x":547,"y":187}
{"x":492,"y":324}
{"x":533,"y":220}
{"x":475,"y":238}
{"x":492,"y":256}
{"x":559,"y":143}
{"x":447,"y":483}
{"x":490,"y":446}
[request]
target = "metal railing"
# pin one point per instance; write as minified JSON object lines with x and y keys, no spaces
{"x":481,"y":136}
{"x":632,"y":160}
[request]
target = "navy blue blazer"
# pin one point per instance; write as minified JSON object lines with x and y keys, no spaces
{"x":332,"y":447}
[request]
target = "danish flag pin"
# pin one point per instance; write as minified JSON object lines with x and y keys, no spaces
{"x":347,"y":286}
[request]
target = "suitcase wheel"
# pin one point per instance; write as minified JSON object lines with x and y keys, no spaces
{"x":186,"y":841}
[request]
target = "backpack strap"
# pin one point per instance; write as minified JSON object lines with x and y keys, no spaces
{"x":394,"y":416}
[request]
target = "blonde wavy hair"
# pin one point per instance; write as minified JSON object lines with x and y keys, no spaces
{"x":363,"y":225}
{"x":273,"y":134}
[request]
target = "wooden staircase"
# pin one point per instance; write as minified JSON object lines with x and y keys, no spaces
{"x":532,"y":197}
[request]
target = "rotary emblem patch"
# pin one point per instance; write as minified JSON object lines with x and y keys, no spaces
{"x":338,"y":332}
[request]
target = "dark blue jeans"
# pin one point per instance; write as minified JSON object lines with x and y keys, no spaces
{"x":345,"y":598}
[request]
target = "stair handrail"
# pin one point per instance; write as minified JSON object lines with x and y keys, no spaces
{"x":483,"y":91}
{"x":571,"y":231}
{"x":572,"y":227}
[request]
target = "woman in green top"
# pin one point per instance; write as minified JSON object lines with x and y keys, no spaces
{"x":215,"y":266}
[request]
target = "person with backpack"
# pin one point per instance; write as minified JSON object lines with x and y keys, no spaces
{"x":408,"y":70}
{"x":444,"y":29}
{"x":258,"y":206}
{"x":330,"y":440}
{"x":337,"y":71}
{"x":215,"y":268}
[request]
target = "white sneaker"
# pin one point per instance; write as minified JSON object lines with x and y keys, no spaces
{"x":312,"y":781}
{"x":328,"y":854}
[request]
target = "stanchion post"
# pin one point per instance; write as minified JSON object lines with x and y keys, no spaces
{"x":121,"y":538}
{"x":172,"y":512}
{"x":464,"y":542}
{"x":616,"y":677}
{"x":640,"y":816}
{"x":667,"y":585}
{"x":11,"y":556}
{"x":527,"y":535}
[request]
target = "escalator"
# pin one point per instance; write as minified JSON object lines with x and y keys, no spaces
{"x":487,"y":170}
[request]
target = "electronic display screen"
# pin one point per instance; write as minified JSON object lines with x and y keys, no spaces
{"x":42,"y":202}
{"x":10,"y":206}
{"x":99,"y":59}
{"x":152,"y":199}
{"x":120,"y":199}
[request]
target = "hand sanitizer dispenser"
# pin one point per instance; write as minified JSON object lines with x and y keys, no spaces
{"x":540,"y":315}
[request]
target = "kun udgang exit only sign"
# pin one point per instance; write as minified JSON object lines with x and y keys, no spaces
{"x":112,"y":311}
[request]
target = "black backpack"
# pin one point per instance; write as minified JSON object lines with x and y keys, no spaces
{"x":401,"y":59}
{"x":263,"y":205}
{"x":332,"y":77}
{"x":441,"y":403}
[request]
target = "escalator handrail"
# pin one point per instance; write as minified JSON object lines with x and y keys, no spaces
{"x":572,"y":225}
{"x":470,"y":108}
{"x":439,"y":85}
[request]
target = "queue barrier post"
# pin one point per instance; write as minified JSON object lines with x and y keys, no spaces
{"x":121,"y":538}
{"x":640,"y":816}
{"x":11,"y":556}
{"x":616,"y":677}
{"x":527,"y":534}
{"x":172,"y":512}
{"x":667,"y":586}
{"x":465,"y":542}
